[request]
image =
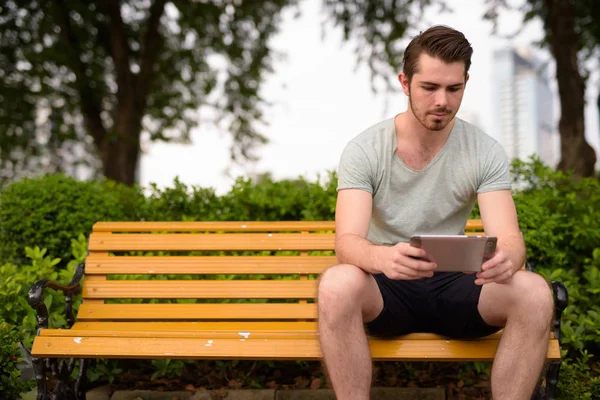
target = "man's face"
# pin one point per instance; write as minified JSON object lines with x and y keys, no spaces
{"x":435,"y":91}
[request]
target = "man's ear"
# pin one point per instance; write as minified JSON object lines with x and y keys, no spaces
{"x":404,"y":82}
{"x":466,"y":79}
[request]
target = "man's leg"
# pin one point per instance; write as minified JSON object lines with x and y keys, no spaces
{"x":347,"y":298}
{"x":524,"y":306}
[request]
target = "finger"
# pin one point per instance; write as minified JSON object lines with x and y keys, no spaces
{"x":498,"y":258}
{"x":405,"y":270}
{"x":411,"y":251}
{"x":400,"y":276}
{"x":491,"y":274}
{"x":499,"y":275}
{"x":419,"y":265}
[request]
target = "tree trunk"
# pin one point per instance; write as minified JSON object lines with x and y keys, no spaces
{"x":120,"y":152}
{"x":576,"y":154}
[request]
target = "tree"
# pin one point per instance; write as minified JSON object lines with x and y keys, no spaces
{"x":108,"y":71}
{"x":571,"y":30}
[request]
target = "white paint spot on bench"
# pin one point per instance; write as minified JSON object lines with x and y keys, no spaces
{"x":244,"y":226}
{"x":210,"y":342}
{"x":270,"y":234}
{"x":77,"y":340}
{"x":244,"y":334}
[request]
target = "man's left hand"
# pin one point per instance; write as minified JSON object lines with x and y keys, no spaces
{"x":499,"y":269}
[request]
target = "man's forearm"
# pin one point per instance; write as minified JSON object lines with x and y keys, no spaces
{"x":514,"y":247}
{"x":358,"y":251}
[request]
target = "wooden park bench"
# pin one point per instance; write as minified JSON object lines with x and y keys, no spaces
{"x":256,"y":316}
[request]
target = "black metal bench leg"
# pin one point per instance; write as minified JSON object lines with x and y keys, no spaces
{"x":39,"y":368}
{"x":81,"y":382}
{"x":539,"y":393}
{"x":65,"y":388}
{"x":552,"y":380}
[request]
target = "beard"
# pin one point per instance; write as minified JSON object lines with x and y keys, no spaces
{"x":429,"y":120}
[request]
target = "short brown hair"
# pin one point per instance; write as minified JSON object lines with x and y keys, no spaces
{"x":441,"y":42}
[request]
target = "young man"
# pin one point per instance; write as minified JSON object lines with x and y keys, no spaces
{"x":421,"y":172}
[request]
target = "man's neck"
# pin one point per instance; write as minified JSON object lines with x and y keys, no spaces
{"x":410,"y":130}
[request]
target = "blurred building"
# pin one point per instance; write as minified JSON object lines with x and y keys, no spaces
{"x":523,"y":106}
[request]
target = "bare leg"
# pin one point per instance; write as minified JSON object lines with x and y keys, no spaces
{"x":347,"y":297}
{"x":524,"y":306}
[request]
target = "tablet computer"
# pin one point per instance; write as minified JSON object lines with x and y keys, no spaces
{"x":456,"y":253}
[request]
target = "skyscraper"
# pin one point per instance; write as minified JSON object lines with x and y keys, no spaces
{"x":523,"y":106}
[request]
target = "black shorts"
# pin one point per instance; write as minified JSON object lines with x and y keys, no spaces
{"x":445,"y":304}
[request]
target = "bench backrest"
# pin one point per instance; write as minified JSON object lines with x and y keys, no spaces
{"x":207,"y":270}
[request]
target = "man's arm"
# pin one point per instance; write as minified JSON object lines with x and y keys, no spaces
{"x":352,"y":217}
{"x":499,"y":218}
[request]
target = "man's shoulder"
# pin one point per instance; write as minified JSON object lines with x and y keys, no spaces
{"x":375,"y":134}
{"x":474,"y":135}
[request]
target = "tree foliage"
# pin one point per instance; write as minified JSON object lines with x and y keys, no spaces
{"x":84,"y":80}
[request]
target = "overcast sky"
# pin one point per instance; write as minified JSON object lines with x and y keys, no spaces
{"x":320,"y":102}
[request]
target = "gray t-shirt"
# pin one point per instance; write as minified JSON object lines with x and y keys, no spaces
{"x":435,"y":200}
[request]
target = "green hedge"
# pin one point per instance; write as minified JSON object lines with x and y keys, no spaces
{"x":50,"y":211}
{"x":558,"y":215}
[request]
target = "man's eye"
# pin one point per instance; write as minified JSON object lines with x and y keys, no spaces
{"x":428,"y":88}
{"x":453,"y":89}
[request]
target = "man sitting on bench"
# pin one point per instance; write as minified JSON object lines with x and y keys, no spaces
{"x":421,"y":172}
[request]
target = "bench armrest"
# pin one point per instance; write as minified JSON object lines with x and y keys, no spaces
{"x":561,"y":300}
{"x":529,"y":266}
{"x":35,"y":297}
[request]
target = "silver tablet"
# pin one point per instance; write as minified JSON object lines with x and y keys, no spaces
{"x":456,"y":253}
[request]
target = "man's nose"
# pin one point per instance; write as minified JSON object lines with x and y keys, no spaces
{"x":441,"y":99}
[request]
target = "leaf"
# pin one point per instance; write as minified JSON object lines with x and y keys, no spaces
{"x":48,"y":301}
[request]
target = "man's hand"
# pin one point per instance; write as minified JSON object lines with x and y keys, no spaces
{"x":407,"y":263}
{"x":499,"y":269}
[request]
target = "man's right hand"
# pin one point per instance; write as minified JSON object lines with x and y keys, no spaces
{"x":407,"y":263}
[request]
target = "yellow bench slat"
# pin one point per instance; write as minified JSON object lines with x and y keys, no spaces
{"x":220,"y":329}
{"x":181,"y":327}
{"x":208,"y":265}
{"x":222,"y":311}
{"x":230,"y":226}
{"x":474,"y":225}
{"x":202,"y":242}
{"x":223,"y":329}
{"x":262,"y":349}
{"x":214,"y":226}
{"x":196,"y":289}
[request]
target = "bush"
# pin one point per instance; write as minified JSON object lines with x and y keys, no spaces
{"x":579,"y":378}
{"x":558,"y":215}
{"x":15,"y":282}
{"x":11,"y":384}
{"x":263,"y":200}
{"x":51,"y":210}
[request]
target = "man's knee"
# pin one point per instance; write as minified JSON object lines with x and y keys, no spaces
{"x":343,"y":280}
{"x":341,"y":288}
{"x":533,"y":295}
